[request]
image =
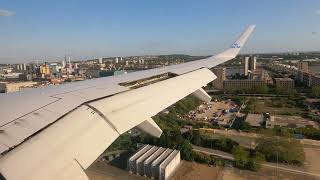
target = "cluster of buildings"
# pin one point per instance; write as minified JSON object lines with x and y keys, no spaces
{"x":32,"y":75}
{"x":253,"y":77}
{"x":154,"y":162}
{"x":135,"y":62}
{"x":301,"y":72}
{"x":15,"y":77}
{"x":16,"y":86}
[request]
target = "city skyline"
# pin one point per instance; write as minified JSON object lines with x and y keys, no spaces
{"x":46,"y":31}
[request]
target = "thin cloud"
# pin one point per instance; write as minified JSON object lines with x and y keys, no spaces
{"x":6,"y":13}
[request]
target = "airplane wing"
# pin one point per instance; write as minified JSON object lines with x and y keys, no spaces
{"x":56,"y":132}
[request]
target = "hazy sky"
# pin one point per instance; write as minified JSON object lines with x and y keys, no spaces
{"x":46,"y":30}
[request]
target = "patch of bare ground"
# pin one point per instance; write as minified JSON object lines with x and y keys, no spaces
{"x":191,"y":170}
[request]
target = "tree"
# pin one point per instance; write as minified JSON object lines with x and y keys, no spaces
{"x":277,"y":149}
{"x":202,"y":158}
{"x":247,"y":160}
{"x":216,"y":161}
{"x":261,"y":89}
{"x":241,"y":157}
{"x":240,"y":124}
{"x":255,"y":161}
{"x":315,"y":91}
{"x":186,"y":150}
{"x":281,"y":131}
{"x":196,"y":140}
{"x":311,"y":133}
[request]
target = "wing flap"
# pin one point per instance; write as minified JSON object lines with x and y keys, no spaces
{"x":150,"y":127}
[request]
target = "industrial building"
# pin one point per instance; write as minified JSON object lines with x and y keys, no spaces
{"x":154,"y":162}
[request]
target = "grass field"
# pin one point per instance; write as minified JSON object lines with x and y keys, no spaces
{"x":279,"y":107}
{"x":245,"y":141}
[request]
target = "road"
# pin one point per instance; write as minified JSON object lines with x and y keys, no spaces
{"x":229,"y":156}
{"x":214,"y":152}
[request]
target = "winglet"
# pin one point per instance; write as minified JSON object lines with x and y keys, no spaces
{"x":238,"y":44}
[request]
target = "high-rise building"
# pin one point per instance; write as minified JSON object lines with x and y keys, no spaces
{"x":252,"y":63}
{"x":303,"y":66}
{"x":76,"y":66}
{"x":117,"y":60}
{"x":17,"y":67}
{"x":249,"y":65}
{"x":24,"y":66}
{"x":100,"y":60}
{"x":220,"y":72}
{"x":63,"y":64}
{"x":246,"y":65}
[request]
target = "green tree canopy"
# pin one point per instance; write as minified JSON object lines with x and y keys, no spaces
{"x":281,"y":150}
{"x":315,"y":91}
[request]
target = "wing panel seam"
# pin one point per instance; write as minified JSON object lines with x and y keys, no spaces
{"x":103,"y":117}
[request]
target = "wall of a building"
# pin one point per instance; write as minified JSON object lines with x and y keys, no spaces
{"x":169,"y":169}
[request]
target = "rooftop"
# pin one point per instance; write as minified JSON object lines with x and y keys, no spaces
{"x":254,"y":119}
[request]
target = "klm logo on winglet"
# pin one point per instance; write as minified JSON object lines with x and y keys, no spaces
{"x":235,"y":45}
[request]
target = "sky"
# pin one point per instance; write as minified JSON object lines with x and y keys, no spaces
{"x":46,"y":30}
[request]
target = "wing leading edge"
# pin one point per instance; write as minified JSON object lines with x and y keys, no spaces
{"x":70,"y":144}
